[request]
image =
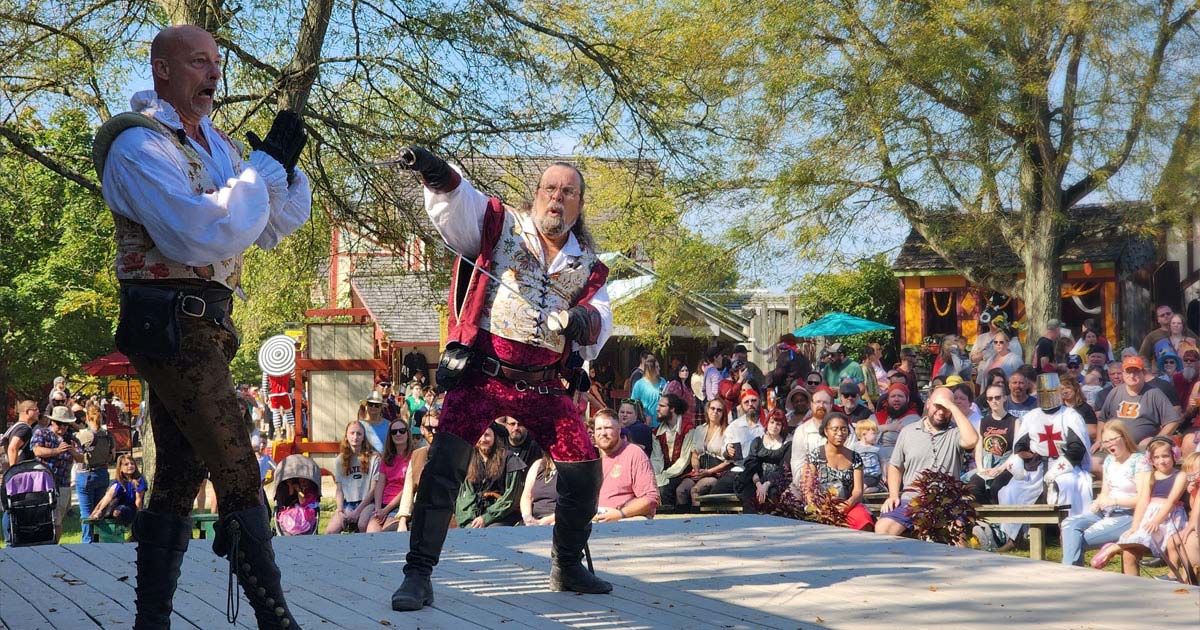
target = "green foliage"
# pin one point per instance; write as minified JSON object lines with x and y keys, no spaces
{"x":57,"y":289}
{"x":868,"y":290}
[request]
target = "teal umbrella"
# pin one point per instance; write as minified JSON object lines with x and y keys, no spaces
{"x":838,"y":324}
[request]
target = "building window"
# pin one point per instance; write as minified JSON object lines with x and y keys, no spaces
{"x":941,"y":311}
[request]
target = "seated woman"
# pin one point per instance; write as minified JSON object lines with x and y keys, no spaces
{"x":634,"y":428}
{"x":1159,"y":513}
{"x":124,"y":496}
{"x":1183,"y":550}
{"x":354,"y":471}
{"x":764,"y":471}
{"x":1111,"y":513}
{"x":540,"y":493}
{"x":491,"y":493}
{"x":834,"y":468}
{"x":393,"y":471}
{"x":709,"y":465}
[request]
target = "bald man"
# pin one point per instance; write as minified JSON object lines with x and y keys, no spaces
{"x":186,"y":207}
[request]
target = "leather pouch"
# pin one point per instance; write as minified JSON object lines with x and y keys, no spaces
{"x":453,"y":365}
{"x":149,"y":324}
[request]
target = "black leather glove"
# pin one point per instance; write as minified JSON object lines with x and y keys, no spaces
{"x":435,"y":172}
{"x":579,"y":326}
{"x":284,"y":141}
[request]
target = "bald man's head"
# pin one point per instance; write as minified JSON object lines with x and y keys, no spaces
{"x":186,"y":67}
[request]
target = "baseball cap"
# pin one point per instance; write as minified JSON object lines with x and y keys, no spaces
{"x":736,"y":364}
{"x":908,"y":352}
{"x":1054,"y":323}
{"x":848,"y":389}
{"x":1074,"y":360}
{"x":953,"y":380}
{"x":1133,"y":363}
{"x":834,"y":348}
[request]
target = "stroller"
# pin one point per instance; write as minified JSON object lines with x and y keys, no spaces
{"x":30,"y":497}
{"x":297,"y":496}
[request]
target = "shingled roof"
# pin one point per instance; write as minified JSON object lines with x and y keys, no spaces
{"x":403,"y":305}
{"x":1095,"y":233}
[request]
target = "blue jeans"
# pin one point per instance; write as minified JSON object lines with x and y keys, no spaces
{"x":1092,"y":530}
{"x":89,"y":490}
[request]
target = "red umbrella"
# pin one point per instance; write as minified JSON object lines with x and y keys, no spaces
{"x":115,"y":364}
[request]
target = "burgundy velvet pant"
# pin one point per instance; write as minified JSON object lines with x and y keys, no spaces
{"x":553,"y":421}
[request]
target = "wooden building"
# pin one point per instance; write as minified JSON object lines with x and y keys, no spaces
{"x":1111,"y":273}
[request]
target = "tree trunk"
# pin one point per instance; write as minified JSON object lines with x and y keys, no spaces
{"x":1042,"y":289}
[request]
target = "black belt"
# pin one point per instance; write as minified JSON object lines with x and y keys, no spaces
{"x":523,"y":378}
{"x":208,"y":300}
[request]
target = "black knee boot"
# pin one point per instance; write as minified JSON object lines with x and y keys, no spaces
{"x":162,"y":540}
{"x":433,"y":506}
{"x":245,"y":538}
{"x":578,"y":493}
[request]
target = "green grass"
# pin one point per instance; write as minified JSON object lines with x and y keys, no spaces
{"x":1054,"y":554}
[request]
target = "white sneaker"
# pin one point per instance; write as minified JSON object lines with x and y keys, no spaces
{"x":987,"y":539}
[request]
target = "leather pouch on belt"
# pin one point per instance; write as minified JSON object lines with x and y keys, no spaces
{"x":149,"y":324}
{"x":453,"y":364}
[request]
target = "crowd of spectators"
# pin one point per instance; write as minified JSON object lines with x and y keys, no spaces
{"x":811,"y":423}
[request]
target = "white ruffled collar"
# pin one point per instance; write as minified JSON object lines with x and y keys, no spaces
{"x":147,"y":103}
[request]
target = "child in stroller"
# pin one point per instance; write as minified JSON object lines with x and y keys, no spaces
{"x":297,"y":496}
{"x":30,"y":497}
{"x":125,"y":494}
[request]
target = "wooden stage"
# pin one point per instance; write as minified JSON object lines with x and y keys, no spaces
{"x":702,"y":572}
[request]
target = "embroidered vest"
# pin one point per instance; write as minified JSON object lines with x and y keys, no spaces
{"x":138,"y":258}
{"x":671,"y":454}
{"x":479,"y":303}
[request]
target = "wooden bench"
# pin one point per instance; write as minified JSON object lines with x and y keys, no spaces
{"x":106,"y":530}
{"x":720,"y":504}
{"x":204,"y":521}
{"x":1037,"y":517}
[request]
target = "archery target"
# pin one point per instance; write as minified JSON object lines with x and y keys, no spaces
{"x":277,"y":355}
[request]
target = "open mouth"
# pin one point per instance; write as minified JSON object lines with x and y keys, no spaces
{"x":208,"y":92}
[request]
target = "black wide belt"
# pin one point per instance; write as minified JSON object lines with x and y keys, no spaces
{"x":208,"y":300}
{"x":524,"y":378}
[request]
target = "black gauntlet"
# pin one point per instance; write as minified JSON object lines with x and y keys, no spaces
{"x":434,"y":171}
{"x":284,"y":141}
{"x":583,"y":325}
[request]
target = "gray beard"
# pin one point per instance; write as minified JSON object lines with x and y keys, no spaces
{"x":1189,"y":373}
{"x":553,"y":226}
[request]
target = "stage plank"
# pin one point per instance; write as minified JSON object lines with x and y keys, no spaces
{"x":733,"y":571}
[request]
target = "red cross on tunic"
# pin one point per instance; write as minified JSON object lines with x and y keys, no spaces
{"x":1049,"y":435}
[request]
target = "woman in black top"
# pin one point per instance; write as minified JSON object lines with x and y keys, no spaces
{"x":997,"y":429}
{"x":1072,"y":396}
{"x":764,"y":475}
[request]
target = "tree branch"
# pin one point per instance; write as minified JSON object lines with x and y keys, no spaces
{"x":14,"y":138}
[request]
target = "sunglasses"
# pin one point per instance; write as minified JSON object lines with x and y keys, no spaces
{"x":399,"y":431}
{"x":995,"y":397}
{"x":998,"y":342}
{"x":814,"y":382}
{"x":374,"y":404}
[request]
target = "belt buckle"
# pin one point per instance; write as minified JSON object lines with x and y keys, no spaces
{"x":543,"y":390}
{"x":493,"y":363}
{"x":521,"y":386}
{"x":183,"y":306}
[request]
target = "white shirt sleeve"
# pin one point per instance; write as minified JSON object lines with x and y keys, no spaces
{"x":291,"y":213}
{"x":145,"y":180}
{"x":458,"y":216}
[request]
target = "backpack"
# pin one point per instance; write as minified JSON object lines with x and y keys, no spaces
{"x":4,"y":463}
{"x":101,"y":452}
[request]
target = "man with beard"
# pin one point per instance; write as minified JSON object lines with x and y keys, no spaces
{"x":840,"y":368}
{"x":754,"y":373}
{"x":1145,"y":410}
{"x":518,"y":337}
{"x":628,"y":490}
{"x":519,"y":442}
{"x":937,"y":442}
{"x":1020,"y":402}
{"x":896,"y":414}
{"x":742,"y":431}
{"x":851,"y":403}
{"x":671,"y":452}
{"x":808,"y":436}
{"x":185,"y":209}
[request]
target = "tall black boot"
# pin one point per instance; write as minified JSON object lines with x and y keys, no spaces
{"x":245,"y":538}
{"x":449,"y":457}
{"x":578,"y":494}
{"x":162,"y":540}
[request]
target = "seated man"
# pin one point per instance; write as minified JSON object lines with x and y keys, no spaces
{"x":672,"y":447}
{"x":938,"y":443}
{"x":628,"y":488}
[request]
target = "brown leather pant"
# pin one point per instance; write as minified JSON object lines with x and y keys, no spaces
{"x":197,"y":423}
